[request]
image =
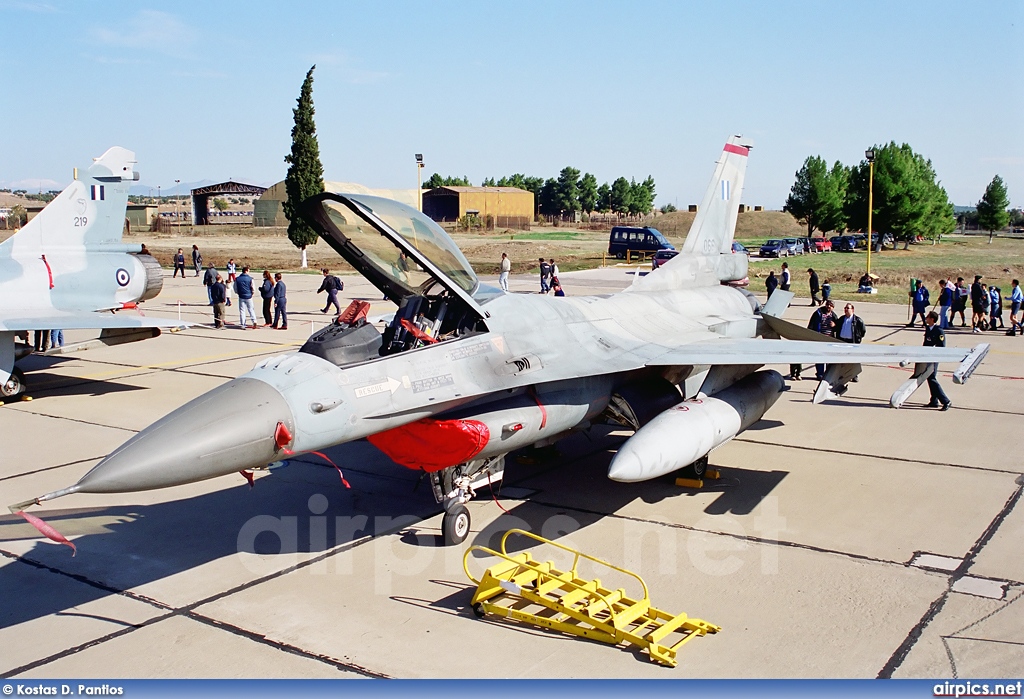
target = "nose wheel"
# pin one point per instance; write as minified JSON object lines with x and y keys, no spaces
{"x":455,"y":524}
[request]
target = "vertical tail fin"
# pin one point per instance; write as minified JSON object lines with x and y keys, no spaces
{"x":713,"y":228}
{"x":89,"y":212}
{"x":706,"y":258}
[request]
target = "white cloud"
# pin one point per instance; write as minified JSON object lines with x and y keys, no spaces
{"x":32,"y":185}
{"x":148,"y":30}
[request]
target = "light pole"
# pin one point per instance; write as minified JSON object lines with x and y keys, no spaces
{"x":870,"y":155}
{"x":419,"y":181}
{"x":177,"y":217}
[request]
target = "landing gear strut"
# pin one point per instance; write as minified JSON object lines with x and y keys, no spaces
{"x":456,"y":485}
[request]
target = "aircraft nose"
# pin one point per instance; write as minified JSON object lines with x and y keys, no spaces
{"x":229,"y":429}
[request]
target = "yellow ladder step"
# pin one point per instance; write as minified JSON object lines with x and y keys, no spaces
{"x":630,"y":614}
{"x":666,"y":628}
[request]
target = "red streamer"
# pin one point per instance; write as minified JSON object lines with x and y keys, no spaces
{"x":47,"y":531}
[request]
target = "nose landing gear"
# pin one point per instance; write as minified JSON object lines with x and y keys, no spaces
{"x":456,"y":485}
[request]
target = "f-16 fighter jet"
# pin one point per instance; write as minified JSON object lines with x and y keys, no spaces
{"x":465,"y":373}
{"x":68,"y":268}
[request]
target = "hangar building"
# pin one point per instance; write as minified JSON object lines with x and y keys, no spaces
{"x":511,"y":207}
{"x":269,"y":209}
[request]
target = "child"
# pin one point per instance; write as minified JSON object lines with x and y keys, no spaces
{"x":826,"y":291}
{"x":995,"y":307}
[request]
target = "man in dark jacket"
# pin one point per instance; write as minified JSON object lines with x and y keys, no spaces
{"x":815,"y":288}
{"x":771,"y":283}
{"x":934,"y":336}
{"x":945,"y":303}
{"x":218,"y":296}
{"x":978,"y":303}
{"x":823,"y":321}
{"x":243,"y":288}
{"x":332,"y":285}
{"x":850,"y":328}
{"x":280,"y":303}
{"x":179,"y":264}
{"x":209,"y":279}
{"x":267,"y":294}
{"x":197,"y":259}
{"x":919,"y":299}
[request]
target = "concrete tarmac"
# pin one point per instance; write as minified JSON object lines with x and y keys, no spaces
{"x":843,"y":540}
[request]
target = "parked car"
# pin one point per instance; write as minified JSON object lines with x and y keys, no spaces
{"x":806,"y":245}
{"x":860,"y":241}
{"x":738,"y":247}
{"x":844,"y":243}
{"x":661,"y":257}
{"x":822,"y":245}
{"x":624,"y":239}
{"x":773,"y":248}
{"x":794,"y":246}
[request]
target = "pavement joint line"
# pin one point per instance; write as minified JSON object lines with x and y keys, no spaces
{"x":903,"y":650}
{"x":872,"y":456}
{"x":50,"y":468}
{"x":84,"y":422}
{"x":84,"y":646}
{"x":285,"y":647}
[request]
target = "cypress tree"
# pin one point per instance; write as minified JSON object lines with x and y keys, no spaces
{"x":305,"y":176}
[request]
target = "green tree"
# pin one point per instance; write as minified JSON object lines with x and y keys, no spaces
{"x":436,"y":180}
{"x":604,"y":194}
{"x":489,"y":182}
{"x":620,"y":196}
{"x":547,"y":200}
{"x":588,"y":192}
{"x":17,"y":218}
{"x":305,"y":177}
{"x":641,"y":197}
{"x":992,"y":209}
{"x":219,"y":204}
{"x":908,"y":201}
{"x":668,"y":208}
{"x":817,"y":196}
{"x":568,"y":191}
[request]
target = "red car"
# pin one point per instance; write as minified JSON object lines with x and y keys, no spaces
{"x":822,"y":244}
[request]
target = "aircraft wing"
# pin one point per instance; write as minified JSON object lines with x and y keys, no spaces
{"x":46,"y":319}
{"x":761,"y":351}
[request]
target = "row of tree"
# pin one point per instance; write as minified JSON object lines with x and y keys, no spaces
{"x":570,"y":192}
{"x":908,"y":200}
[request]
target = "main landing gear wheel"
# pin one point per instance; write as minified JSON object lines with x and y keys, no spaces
{"x":696,"y":470}
{"x":455,"y":525}
{"x":14,"y":385}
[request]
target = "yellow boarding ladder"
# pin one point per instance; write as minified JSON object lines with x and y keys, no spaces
{"x":514,"y":587}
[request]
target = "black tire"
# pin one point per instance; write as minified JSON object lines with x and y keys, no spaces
{"x":620,"y":256}
{"x":455,"y":525}
{"x":694,"y":471}
{"x":14,"y":386}
{"x":478,"y":609}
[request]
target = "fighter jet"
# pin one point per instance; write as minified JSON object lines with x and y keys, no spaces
{"x":465,"y":373}
{"x":68,"y":268}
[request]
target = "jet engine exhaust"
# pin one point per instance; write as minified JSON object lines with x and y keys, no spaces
{"x":686,"y":432}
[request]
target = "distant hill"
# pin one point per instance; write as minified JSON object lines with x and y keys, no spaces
{"x":750,"y":224}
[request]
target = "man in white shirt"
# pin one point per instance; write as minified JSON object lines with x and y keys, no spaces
{"x":506,"y":267}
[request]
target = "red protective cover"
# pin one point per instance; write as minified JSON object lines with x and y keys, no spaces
{"x":431,"y":445}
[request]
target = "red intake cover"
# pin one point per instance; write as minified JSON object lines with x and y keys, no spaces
{"x":431,"y":445}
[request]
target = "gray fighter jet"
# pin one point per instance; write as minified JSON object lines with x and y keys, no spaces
{"x":69,"y":269}
{"x":464,"y":373}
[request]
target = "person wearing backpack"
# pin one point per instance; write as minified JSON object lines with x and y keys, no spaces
{"x":332,"y":285}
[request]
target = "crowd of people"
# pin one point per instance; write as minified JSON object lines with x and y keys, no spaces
{"x":272,"y":290}
{"x":548,"y":269}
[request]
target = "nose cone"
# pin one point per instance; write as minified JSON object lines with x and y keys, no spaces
{"x":626,"y":466}
{"x":226,"y":430}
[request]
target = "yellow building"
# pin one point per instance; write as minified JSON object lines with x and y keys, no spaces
{"x":510,"y":207}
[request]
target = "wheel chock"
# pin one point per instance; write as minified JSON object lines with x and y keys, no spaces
{"x":711,"y":474}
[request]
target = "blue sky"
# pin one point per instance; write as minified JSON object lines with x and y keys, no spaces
{"x":204,"y":91}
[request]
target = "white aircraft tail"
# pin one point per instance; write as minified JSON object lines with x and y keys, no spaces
{"x":88,"y":214}
{"x":706,"y":258}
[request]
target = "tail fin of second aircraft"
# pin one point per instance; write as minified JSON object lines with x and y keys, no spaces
{"x":706,"y":257}
{"x":713,"y":228}
{"x":89,"y":213}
